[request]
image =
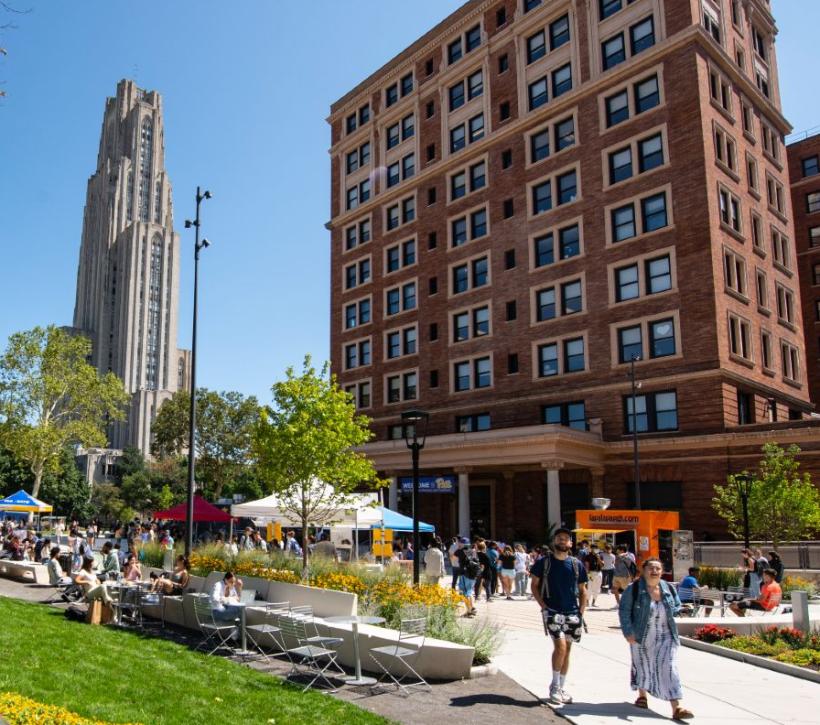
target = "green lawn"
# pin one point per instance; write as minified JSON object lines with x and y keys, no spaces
{"x":121,"y":676}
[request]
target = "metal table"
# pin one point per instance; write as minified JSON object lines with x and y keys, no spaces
{"x":243,"y":632}
{"x":354,"y":621}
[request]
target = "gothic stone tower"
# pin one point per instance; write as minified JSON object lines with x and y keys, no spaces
{"x":128,"y":275}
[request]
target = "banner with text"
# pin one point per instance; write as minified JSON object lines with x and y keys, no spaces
{"x":430,"y":484}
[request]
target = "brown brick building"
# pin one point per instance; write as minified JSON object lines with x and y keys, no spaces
{"x":804,"y":170}
{"x":535,"y":194}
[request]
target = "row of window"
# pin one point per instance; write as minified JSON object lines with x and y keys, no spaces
{"x":740,"y":347}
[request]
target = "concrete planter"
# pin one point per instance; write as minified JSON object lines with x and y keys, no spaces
{"x":786,"y":669}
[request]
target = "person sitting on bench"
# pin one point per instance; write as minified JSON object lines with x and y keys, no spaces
{"x":770,"y":596}
{"x":94,"y":589}
{"x":55,"y":571}
{"x":177,"y":583}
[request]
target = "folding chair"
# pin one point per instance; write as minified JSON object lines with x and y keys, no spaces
{"x":273,"y":610}
{"x":221,"y":633}
{"x":311,"y":658}
{"x":304,"y":613}
{"x":410,"y":642}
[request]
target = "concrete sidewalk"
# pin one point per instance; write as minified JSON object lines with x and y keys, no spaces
{"x":716,"y":689}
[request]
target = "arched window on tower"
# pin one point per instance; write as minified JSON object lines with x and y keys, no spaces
{"x":146,"y":155}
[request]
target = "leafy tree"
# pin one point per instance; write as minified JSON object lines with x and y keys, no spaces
{"x":106,"y":502}
{"x":224,"y":424}
{"x":131,"y":461}
{"x":308,"y":437}
{"x":67,"y":489}
{"x":137,"y":492}
{"x":50,"y":397}
{"x":784,"y":505}
{"x":14,"y":475}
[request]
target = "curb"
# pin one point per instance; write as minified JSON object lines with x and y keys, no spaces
{"x":483,"y":671}
{"x":783,"y":668}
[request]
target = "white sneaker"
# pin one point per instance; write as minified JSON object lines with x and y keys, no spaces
{"x":566,"y":698}
{"x":555,"y":695}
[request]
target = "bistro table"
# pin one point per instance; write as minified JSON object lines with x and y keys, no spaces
{"x":243,"y":630}
{"x":354,"y":621}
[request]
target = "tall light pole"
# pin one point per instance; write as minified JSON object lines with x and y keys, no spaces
{"x":415,"y":433}
{"x":744,"y":481}
{"x":636,"y":467}
{"x":198,"y":247}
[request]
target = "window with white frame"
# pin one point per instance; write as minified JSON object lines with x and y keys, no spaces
{"x":559,"y":300}
{"x":467,"y":180}
{"x":725,"y":149}
{"x":471,"y":323}
{"x":785,"y":305}
{"x":470,"y":275}
{"x":559,"y":189}
{"x":468,"y":227}
{"x":472,"y":374}
{"x":561,"y":357}
{"x":357,"y":234}
{"x":360,"y":392}
{"x":466,"y":90}
{"x":762,"y":290}
{"x":357,"y":354}
{"x":775,"y":195}
{"x":464,"y":44}
{"x":734,"y":272}
{"x":790,"y":360}
{"x":556,"y":244}
{"x":740,"y":337}
{"x":401,"y":387}
{"x":780,"y":249}
{"x":641,"y":216}
{"x":632,"y":100}
{"x":729,"y":210}
{"x":357,"y":273}
{"x":357,"y":313}
{"x":357,"y":194}
{"x":400,"y":343}
{"x":652,"y":412}
{"x":401,"y":213}
{"x":467,"y":133}
{"x":399,"y":256}
{"x":628,"y":43}
{"x":551,"y":139}
{"x":720,"y":90}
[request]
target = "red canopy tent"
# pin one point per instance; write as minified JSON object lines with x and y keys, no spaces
{"x":203,"y":512}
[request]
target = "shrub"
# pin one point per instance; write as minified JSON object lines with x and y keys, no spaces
{"x":151,"y":554}
{"x":801,"y":657}
{"x":483,"y":636}
{"x":754,"y":645}
{"x":713,"y":633}
{"x":19,"y":710}
{"x":797,"y":583}
{"x":719,"y":578}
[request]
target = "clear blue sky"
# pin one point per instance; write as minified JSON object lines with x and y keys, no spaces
{"x":247,"y":86}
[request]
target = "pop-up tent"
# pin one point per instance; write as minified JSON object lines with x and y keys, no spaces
{"x":22,"y":502}
{"x":399,"y":522}
{"x":203,"y":512}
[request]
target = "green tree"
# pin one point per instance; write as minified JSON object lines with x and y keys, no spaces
{"x":308,"y":437}
{"x":224,"y":424}
{"x":67,"y":489}
{"x":50,"y":397}
{"x":784,"y":505}
{"x":14,"y":475}
{"x":131,"y":461}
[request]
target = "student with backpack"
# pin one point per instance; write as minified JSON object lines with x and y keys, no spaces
{"x":625,"y":572}
{"x":470,"y":569}
{"x":559,"y":583}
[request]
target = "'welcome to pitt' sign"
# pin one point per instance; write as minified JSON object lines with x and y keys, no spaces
{"x":430,"y":484}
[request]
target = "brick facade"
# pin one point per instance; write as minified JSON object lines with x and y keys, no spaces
{"x":697,"y":264}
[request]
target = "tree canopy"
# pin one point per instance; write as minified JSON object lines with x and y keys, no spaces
{"x":50,"y":396}
{"x":307,"y":436}
{"x":224,"y":426}
{"x":784,"y":504}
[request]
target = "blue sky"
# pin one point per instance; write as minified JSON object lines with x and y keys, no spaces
{"x":247,"y":86}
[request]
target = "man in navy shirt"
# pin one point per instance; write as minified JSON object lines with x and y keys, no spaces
{"x":559,"y":586}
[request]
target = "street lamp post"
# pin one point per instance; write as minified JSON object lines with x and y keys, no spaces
{"x":636,"y":468}
{"x":415,"y":432}
{"x":198,"y":246}
{"x":744,"y":481}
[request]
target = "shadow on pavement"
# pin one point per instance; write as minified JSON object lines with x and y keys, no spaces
{"x":624,"y":711}
{"x":488,"y":698}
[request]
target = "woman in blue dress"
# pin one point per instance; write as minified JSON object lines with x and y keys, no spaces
{"x":647,"y":611}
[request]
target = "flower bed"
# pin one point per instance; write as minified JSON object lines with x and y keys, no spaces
{"x":388,"y":593}
{"x":19,"y":710}
{"x":783,"y":644}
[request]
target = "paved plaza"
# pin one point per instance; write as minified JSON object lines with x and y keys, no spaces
{"x":716,"y":689}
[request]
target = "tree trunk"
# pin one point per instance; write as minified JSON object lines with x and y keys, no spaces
{"x":304,"y":549}
{"x":38,"y":479}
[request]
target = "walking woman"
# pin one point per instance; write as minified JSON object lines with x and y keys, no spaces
{"x":522,"y":567}
{"x":507,"y":559}
{"x":647,"y":611}
{"x":594,"y":566}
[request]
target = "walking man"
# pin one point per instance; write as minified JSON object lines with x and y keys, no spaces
{"x":559,"y":585}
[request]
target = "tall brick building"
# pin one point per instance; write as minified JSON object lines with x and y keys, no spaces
{"x":531,"y":197}
{"x":804,"y":170}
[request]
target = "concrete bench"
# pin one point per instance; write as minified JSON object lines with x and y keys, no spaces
{"x":439,"y":659}
{"x":27,"y":571}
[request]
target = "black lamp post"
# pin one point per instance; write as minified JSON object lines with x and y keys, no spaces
{"x":636,"y":468}
{"x":744,"y":481}
{"x":198,"y":247}
{"x":414,"y":423}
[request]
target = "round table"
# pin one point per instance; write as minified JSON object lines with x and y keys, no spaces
{"x":354,"y":621}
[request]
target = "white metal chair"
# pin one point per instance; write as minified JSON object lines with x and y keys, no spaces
{"x":313,"y":659}
{"x":304,"y":612}
{"x":221,"y":633}
{"x":270,"y":628}
{"x":408,"y":646}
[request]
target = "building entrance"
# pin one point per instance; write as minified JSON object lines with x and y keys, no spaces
{"x":480,"y":511}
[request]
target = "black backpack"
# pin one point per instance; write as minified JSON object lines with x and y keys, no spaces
{"x":472,"y":567}
{"x":545,"y":587}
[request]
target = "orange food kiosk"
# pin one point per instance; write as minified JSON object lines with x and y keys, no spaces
{"x":646,"y":533}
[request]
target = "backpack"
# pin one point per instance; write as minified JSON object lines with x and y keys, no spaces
{"x":545,"y":587}
{"x":472,"y":568}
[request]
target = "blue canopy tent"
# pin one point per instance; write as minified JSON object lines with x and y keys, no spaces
{"x":22,"y":502}
{"x":399,"y":522}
